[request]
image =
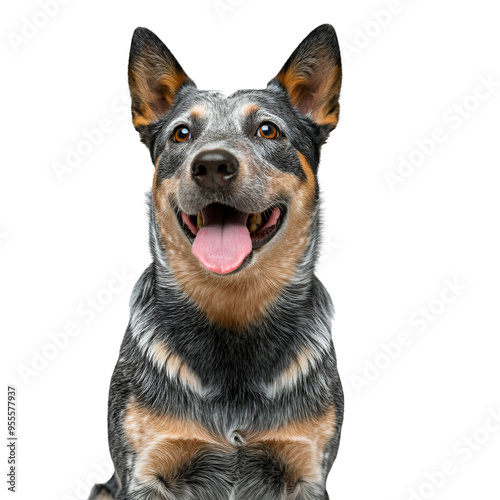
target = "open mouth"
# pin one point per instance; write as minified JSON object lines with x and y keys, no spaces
{"x":223,"y":237}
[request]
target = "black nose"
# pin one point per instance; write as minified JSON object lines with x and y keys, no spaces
{"x":214,"y":169}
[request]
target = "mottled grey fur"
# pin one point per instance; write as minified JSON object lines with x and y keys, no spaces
{"x":235,"y":368}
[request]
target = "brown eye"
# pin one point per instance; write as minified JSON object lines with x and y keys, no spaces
{"x":182,"y":133}
{"x":268,"y":131}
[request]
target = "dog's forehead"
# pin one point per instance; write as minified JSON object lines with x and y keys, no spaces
{"x":227,"y":111}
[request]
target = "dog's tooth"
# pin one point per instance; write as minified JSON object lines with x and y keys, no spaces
{"x":199,"y":221}
{"x":255,"y":222}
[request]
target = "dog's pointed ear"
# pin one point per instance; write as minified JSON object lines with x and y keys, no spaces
{"x":312,"y":77}
{"x":154,"y":78}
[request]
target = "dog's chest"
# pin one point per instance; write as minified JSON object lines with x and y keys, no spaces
{"x":234,"y":383}
{"x":168,"y":448}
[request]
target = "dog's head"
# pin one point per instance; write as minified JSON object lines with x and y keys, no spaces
{"x":235,"y":193}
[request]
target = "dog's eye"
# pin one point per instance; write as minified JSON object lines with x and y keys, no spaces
{"x":268,"y":130}
{"x":181,"y":133}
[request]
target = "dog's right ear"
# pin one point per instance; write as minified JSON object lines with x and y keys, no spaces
{"x":154,"y":78}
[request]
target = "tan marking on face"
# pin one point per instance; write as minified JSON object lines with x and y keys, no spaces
{"x":299,"y":444}
{"x":198,"y":111}
{"x":236,"y":300}
{"x":297,"y":369}
{"x":174,"y":365}
{"x":249,"y":108}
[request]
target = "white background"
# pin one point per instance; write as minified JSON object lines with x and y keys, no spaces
{"x":388,"y":252}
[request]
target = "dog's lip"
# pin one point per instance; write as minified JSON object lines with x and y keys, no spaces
{"x":271,"y":220}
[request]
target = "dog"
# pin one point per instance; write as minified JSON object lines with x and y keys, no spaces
{"x":226,"y":386}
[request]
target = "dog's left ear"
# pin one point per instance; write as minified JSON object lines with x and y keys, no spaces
{"x":154,"y":78}
{"x":313,"y":75}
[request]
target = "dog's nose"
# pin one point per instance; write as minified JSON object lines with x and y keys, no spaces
{"x":214,"y":169}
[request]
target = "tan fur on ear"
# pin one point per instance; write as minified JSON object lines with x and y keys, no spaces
{"x":312,"y":76}
{"x":155,"y":77}
{"x":314,"y":97}
{"x":153,"y":93}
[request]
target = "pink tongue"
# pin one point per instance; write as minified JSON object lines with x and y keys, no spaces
{"x":223,"y":242}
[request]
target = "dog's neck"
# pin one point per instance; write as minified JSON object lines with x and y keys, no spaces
{"x":237,"y":301}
